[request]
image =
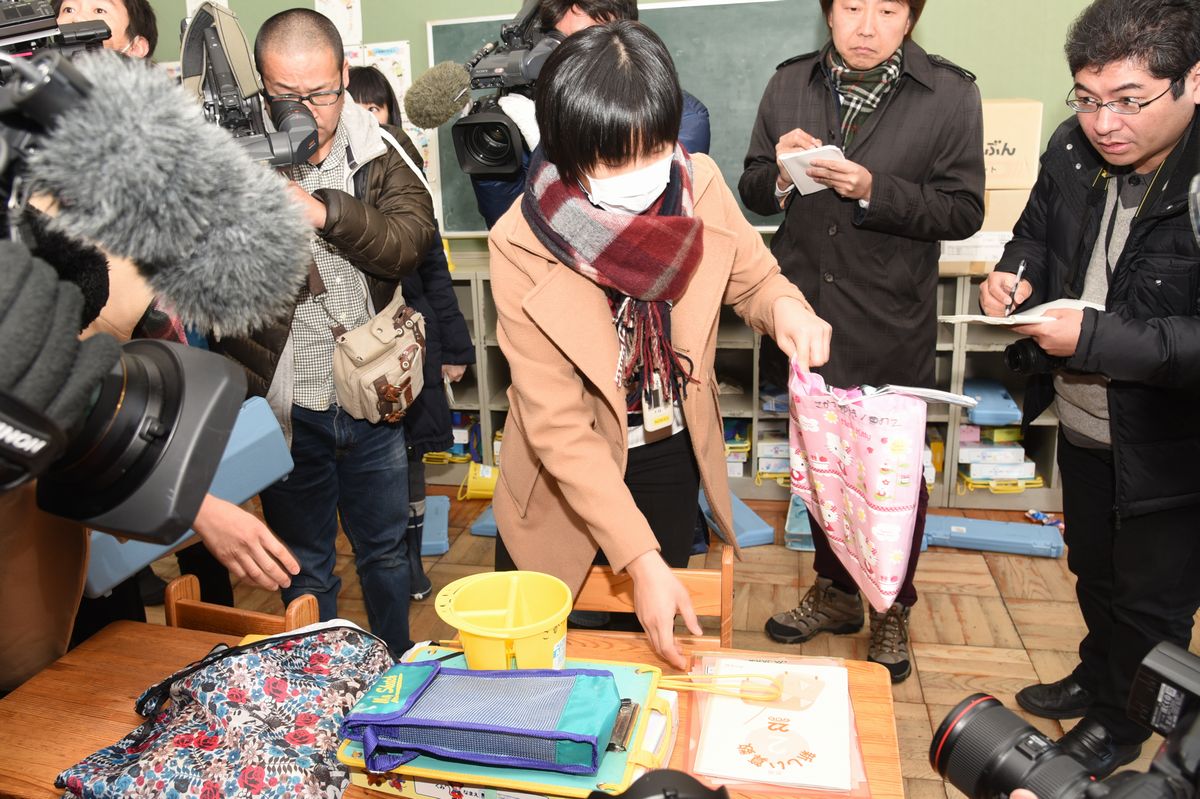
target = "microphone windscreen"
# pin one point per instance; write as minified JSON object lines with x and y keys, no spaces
{"x":137,"y":169}
{"x":439,"y":94}
{"x":74,"y":261}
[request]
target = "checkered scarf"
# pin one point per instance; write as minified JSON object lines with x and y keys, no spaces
{"x":861,"y":92}
{"x":643,"y":262}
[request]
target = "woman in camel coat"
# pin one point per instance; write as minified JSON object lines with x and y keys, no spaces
{"x":608,"y":279}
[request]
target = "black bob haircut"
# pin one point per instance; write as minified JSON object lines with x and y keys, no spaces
{"x":607,"y":95}
{"x":1162,"y":35}
{"x":142,"y":21}
{"x":368,"y":86}
{"x":298,"y":28}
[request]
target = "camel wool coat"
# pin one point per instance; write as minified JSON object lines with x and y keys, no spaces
{"x":561,"y":491}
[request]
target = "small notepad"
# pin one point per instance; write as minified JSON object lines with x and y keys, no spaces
{"x":1030,"y":316}
{"x":797,"y":163}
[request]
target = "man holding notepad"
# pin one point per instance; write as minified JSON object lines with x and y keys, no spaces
{"x":1107,"y":223}
{"x":862,"y":243}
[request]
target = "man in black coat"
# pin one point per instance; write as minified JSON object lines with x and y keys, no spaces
{"x":865,"y":251}
{"x":1107,"y":223}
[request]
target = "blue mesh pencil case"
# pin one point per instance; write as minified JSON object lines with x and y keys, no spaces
{"x":537,"y":719}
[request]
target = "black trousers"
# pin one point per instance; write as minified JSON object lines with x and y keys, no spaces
{"x":827,"y":564}
{"x":1138,"y":582}
{"x":664,"y":481}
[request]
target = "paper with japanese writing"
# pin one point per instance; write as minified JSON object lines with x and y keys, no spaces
{"x":800,"y":739}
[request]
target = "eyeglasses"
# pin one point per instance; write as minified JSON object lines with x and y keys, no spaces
{"x":327,"y":97}
{"x":1126,"y":105}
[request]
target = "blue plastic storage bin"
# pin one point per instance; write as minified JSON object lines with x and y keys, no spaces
{"x":1017,"y":538}
{"x":485,"y":523}
{"x":435,"y":537}
{"x":748,"y":527}
{"x":995,"y":405}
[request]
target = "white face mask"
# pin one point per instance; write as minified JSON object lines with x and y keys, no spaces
{"x":632,"y":192}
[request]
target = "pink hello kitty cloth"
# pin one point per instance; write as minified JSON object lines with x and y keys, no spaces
{"x":856,"y":463}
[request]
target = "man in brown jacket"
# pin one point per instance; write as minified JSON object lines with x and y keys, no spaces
{"x":373,"y":222}
{"x":865,"y":251}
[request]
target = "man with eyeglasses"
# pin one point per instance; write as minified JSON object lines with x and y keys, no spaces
{"x":373,"y":222}
{"x":1108,"y":223}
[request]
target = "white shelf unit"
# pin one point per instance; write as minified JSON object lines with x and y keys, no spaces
{"x":962,"y":351}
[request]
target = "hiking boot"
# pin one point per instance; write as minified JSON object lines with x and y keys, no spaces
{"x":823,"y":609}
{"x":889,"y":641}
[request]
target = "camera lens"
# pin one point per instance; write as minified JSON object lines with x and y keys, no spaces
{"x":490,"y":144}
{"x":1025,"y":357}
{"x":986,"y":750}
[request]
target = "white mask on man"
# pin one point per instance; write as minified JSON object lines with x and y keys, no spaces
{"x":632,"y":192}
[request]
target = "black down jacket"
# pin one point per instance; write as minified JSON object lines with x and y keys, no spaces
{"x":1147,"y":342}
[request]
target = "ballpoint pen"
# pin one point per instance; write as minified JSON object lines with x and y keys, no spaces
{"x":1012,"y":295}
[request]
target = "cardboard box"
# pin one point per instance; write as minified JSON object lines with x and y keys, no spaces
{"x":735,"y":468}
{"x":978,"y":254}
{"x":1012,"y":142}
{"x":969,"y":433}
{"x":737,"y":457}
{"x":1002,"y":208}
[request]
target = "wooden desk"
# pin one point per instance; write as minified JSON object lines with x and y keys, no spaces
{"x":84,"y":702}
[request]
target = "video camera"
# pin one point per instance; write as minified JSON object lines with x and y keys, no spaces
{"x":218,"y":68}
{"x":986,"y":750}
{"x":125,"y":438}
{"x":111,"y":432}
{"x":486,"y":141}
{"x":27,"y":26}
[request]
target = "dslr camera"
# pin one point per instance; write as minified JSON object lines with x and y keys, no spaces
{"x":486,"y":141}
{"x":1025,"y":357}
{"x":985,"y":750}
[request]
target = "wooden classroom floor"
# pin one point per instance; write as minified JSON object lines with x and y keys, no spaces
{"x":984,"y":622}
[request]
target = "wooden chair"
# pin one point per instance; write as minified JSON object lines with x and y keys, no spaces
{"x":711,"y":591}
{"x":184,"y":609}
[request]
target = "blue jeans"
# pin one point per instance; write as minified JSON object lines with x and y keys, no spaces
{"x":359,"y":470}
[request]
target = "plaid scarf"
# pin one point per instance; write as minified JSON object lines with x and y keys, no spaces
{"x":643,"y":262}
{"x":860,"y":92}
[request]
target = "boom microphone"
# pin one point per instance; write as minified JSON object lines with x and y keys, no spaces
{"x":136,"y":169}
{"x":439,"y":94}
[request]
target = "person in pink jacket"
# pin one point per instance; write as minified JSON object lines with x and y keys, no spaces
{"x":608,"y":278}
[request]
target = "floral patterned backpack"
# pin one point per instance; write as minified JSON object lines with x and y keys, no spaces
{"x":259,"y":720}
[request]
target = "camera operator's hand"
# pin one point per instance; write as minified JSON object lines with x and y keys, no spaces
{"x":996,"y":290}
{"x":453,"y":371}
{"x":794,"y":139}
{"x":314,"y":209}
{"x":520,"y":110}
{"x":244,"y":545}
{"x":1058,"y":338}
{"x":1021,"y":793}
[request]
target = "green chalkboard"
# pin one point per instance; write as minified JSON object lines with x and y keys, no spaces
{"x":724,"y":51}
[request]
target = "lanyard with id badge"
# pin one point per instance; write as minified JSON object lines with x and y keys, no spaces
{"x":658,"y":411}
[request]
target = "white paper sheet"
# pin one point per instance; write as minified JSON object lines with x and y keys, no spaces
{"x":801,"y":739}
